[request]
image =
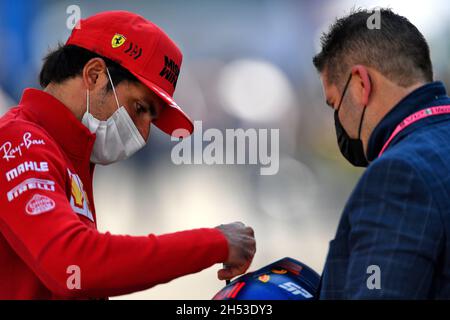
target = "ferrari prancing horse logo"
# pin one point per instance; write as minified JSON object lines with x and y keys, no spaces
{"x":118,"y":40}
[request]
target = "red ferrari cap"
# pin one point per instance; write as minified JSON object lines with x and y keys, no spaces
{"x":145,"y":50}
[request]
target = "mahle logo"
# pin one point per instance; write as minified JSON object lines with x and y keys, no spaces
{"x":118,"y":40}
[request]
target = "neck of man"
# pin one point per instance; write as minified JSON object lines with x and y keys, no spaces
{"x":388,"y":94}
{"x":66,"y":94}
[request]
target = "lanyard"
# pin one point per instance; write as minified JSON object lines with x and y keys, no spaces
{"x":422,"y":114}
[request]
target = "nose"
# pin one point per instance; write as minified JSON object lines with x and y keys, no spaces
{"x":144,"y":128}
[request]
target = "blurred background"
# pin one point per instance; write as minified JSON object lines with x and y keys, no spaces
{"x":247,"y":64}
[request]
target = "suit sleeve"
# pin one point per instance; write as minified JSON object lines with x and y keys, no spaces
{"x":395,"y":234}
{"x":40,"y":225}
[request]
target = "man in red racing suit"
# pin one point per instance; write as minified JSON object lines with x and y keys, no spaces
{"x":49,"y":145}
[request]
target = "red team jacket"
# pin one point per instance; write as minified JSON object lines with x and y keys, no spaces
{"x":48,"y":221}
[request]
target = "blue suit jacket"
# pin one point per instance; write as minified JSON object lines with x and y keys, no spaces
{"x":398,"y":216}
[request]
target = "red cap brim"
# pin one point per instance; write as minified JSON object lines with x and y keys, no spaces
{"x":172,"y":119}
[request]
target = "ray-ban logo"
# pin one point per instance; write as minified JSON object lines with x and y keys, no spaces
{"x":9,"y":150}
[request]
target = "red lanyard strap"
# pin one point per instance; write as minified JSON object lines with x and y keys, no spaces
{"x":419,"y":115}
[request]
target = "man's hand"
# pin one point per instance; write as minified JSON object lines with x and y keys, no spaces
{"x":242,"y":248}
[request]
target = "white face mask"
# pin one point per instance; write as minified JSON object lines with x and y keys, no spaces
{"x":117,"y":138}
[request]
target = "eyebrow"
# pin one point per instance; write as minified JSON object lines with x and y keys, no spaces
{"x":151,"y":102}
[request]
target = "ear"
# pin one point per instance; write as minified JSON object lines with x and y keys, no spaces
{"x":94,"y":73}
{"x":362,"y":82}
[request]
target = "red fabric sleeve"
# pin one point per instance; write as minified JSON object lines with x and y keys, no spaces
{"x":51,"y":241}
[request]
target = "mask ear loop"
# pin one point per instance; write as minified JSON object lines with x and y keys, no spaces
{"x":344,"y":91}
{"x":87,"y":100}
{"x":361,"y":122}
{"x":362,"y":117}
{"x":114,"y":90}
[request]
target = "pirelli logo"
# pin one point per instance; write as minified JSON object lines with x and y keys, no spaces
{"x":30,"y":184}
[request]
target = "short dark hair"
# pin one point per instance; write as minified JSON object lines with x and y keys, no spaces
{"x":68,"y":61}
{"x":397,"y":49}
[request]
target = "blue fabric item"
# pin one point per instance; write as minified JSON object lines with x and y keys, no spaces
{"x":397,"y":219}
{"x":285,"y":279}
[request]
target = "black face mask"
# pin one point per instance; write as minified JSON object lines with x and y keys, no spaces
{"x":351,"y":149}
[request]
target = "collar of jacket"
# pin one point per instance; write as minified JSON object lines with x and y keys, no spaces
{"x":60,"y":123}
{"x":425,"y":96}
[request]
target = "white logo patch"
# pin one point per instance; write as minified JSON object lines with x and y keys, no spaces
{"x":10,"y":152}
{"x":30,"y":184}
{"x":25,"y":167}
{"x":295,"y":289}
{"x":39,"y":204}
